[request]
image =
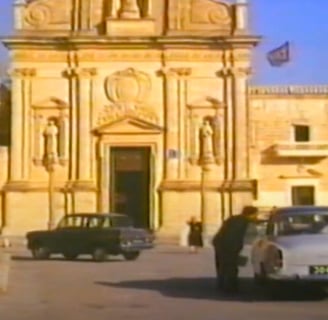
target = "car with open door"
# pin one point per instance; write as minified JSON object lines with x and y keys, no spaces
{"x":99,"y":235}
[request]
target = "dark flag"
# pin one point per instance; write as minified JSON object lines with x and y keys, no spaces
{"x":279,"y":56}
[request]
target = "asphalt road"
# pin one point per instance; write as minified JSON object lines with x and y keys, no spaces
{"x":165,"y":283}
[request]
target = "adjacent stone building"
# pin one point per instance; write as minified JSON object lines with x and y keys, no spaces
{"x":144,"y":107}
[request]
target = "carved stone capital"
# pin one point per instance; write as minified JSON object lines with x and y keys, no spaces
{"x":23,"y":73}
{"x":87,"y":72}
{"x":182,"y":72}
{"x":241,"y":72}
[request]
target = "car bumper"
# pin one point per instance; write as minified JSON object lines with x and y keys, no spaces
{"x":300,"y":278}
{"x":130,"y":247}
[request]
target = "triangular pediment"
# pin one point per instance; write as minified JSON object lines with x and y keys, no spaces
{"x":129,"y":125}
{"x":50,"y":103}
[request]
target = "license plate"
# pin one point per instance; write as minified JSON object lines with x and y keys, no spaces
{"x":319,"y":270}
{"x":138,"y":241}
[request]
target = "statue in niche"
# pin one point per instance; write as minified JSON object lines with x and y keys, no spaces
{"x":206,"y":135}
{"x":51,"y":140}
{"x":129,"y":9}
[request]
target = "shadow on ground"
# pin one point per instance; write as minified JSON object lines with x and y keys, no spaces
{"x":60,"y":258}
{"x":204,"y":289}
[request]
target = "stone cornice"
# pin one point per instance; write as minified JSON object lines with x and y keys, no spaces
{"x":68,"y":42}
{"x":214,"y":186}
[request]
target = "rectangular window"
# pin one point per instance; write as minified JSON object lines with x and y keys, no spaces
{"x":301,"y":133}
{"x":303,"y":195}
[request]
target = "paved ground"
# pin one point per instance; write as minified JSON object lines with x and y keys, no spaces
{"x":166,"y":283}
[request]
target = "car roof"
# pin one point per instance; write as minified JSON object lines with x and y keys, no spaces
{"x":291,"y":210}
{"x":98,"y":215}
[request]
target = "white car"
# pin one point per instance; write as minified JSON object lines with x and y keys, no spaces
{"x":294,"y":248}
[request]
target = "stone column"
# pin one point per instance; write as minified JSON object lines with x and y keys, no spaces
{"x":19,"y":6}
{"x":240,"y":114}
{"x":17,"y":118}
{"x":241,"y":17}
{"x":84,"y":127}
{"x":171,"y":124}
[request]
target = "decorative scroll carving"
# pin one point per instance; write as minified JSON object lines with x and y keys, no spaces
{"x":42,"y":13}
{"x":200,"y":15}
{"x":38,"y":14}
{"x":209,"y":13}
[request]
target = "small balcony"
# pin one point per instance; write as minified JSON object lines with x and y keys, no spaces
{"x":311,"y":149}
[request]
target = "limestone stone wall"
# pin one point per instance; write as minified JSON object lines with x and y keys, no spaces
{"x":274,"y":113}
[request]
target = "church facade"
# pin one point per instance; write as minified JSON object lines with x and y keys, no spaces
{"x":143,"y":107}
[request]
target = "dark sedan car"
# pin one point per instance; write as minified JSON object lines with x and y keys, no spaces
{"x":96,"y":234}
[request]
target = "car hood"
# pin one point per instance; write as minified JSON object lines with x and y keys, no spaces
{"x":36,"y":233}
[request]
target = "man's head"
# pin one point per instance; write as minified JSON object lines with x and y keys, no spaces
{"x":249,"y":212}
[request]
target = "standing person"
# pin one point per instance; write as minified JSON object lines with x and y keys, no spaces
{"x":228,"y":242}
{"x":195,"y":236}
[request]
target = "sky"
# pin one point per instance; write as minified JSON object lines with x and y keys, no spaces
{"x":302,"y":22}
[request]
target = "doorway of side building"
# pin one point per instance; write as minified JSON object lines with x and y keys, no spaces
{"x":130,"y":183}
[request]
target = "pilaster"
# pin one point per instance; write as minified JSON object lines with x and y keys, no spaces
{"x":240,"y":123}
{"x":71,"y":75}
{"x":226,"y":75}
{"x":84,"y":123}
{"x":17,"y":120}
{"x":171,"y":124}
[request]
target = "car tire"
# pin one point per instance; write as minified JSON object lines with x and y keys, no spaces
{"x":70,"y":255}
{"x":131,"y":256}
{"x":99,"y":254}
{"x":40,"y":252}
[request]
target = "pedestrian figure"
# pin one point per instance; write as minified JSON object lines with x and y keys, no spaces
{"x":195,"y":236}
{"x":228,"y":242}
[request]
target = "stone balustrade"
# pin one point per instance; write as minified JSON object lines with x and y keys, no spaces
{"x":289,"y":90}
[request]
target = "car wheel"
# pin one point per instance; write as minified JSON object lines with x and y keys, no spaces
{"x":99,"y":254}
{"x":70,"y":255}
{"x":130,"y":256}
{"x":40,"y":253}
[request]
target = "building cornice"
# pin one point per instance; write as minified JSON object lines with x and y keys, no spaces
{"x":80,"y":42}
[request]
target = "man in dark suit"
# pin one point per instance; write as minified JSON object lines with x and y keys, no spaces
{"x":228,"y":242}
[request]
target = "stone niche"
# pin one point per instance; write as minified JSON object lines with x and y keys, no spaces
{"x":130,"y":18}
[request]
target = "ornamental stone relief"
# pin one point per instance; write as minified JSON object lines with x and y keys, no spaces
{"x":42,"y":13}
{"x":128,"y":91}
{"x":200,"y":15}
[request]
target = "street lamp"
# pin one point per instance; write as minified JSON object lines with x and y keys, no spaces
{"x":50,"y":161}
{"x":206,"y":161}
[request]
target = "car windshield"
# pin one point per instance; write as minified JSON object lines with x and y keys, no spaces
{"x":306,"y":223}
{"x":121,"y":221}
